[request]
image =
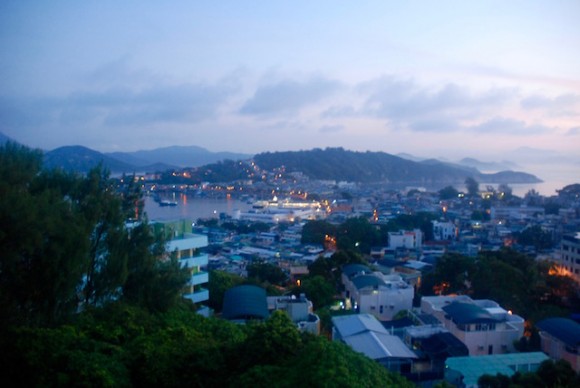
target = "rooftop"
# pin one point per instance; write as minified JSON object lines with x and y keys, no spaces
{"x":566,"y":330}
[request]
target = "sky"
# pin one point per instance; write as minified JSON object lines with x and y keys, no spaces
{"x":444,"y":79}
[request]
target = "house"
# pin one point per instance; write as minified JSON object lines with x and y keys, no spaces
{"x":299,"y":309}
{"x":444,"y":230}
{"x":406,"y":239}
{"x":482,"y":325}
{"x":365,"y":334}
{"x":560,"y":339}
{"x":374,"y":293}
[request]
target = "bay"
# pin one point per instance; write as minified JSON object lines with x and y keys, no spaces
{"x":193,"y":208}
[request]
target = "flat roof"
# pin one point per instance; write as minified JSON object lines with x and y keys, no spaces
{"x":472,"y":368}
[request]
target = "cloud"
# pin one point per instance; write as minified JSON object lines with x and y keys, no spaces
{"x":573,"y":131}
{"x":405,"y":99}
{"x":121,"y":106}
{"x":331,"y":129}
{"x":562,"y":105}
{"x":288,"y":96}
{"x":435,"y":125}
{"x":505,"y":126}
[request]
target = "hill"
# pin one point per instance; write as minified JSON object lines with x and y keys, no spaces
{"x":180,"y":156}
{"x":342,"y":165}
{"x":82,"y":159}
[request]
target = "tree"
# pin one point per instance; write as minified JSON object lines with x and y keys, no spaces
{"x":357,"y":233}
{"x":472,"y":187}
{"x":315,"y":232}
{"x":155,"y":279}
{"x":451,"y":276}
{"x":101,"y":208}
{"x":266,"y":272}
{"x":318,"y":290}
{"x":448,"y":192}
{"x":219,"y":283}
{"x":536,"y":237}
{"x":42,"y":242}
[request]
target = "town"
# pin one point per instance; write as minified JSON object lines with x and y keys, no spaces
{"x":405,"y":276}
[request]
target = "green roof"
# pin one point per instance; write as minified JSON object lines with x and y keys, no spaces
{"x":245,"y":302}
{"x":472,"y":368}
{"x":363,"y":281}
{"x":465,"y":313}
{"x":352,"y":269}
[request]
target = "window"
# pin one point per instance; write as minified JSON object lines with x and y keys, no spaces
{"x":381,"y":309}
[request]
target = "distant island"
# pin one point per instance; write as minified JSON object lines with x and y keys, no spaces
{"x":335,"y":164}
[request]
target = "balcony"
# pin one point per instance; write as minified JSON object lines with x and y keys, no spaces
{"x":199,"y":278}
{"x":196,"y":261}
{"x":190,"y":241}
{"x":198,"y":297}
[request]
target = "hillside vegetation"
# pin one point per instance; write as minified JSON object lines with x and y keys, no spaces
{"x":342,"y":165}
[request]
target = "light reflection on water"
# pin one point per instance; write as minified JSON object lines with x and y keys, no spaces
{"x":192,"y":208}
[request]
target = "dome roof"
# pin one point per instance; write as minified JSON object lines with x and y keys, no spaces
{"x":245,"y":302}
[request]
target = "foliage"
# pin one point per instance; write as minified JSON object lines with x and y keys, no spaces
{"x":342,"y":165}
{"x":65,"y":244}
{"x":536,"y":237}
{"x":517,"y":282}
{"x":315,"y":231}
{"x":448,"y":192}
{"x":472,"y":186}
{"x":122,"y":345}
{"x":219,"y":283}
{"x":421,"y":220}
{"x":267,"y":273}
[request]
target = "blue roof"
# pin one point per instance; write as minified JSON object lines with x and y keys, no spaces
{"x":363,"y":281}
{"x":465,"y":313}
{"x":566,"y":330}
{"x":353,"y":269}
{"x":245,"y":302}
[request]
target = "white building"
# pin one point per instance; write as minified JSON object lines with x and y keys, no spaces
{"x":482,"y":325}
{"x":187,"y":249}
{"x":569,"y":261}
{"x":382,"y":296}
{"x":406,"y":239}
{"x":300,"y":311}
{"x":444,"y":230}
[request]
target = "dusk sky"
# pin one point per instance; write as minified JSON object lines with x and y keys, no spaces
{"x":429,"y":78}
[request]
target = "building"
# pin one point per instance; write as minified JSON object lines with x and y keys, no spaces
{"x":299,"y":309}
{"x":365,"y":334}
{"x":464,"y":372}
{"x":560,"y":339}
{"x":187,"y":247}
{"x":444,"y":230}
{"x":433,"y":345}
{"x":482,"y":325}
{"x":406,"y":239}
{"x":369,"y":292}
{"x":515,"y":213}
{"x":569,"y":260}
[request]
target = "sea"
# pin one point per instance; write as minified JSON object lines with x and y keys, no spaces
{"x":194,"y":208}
